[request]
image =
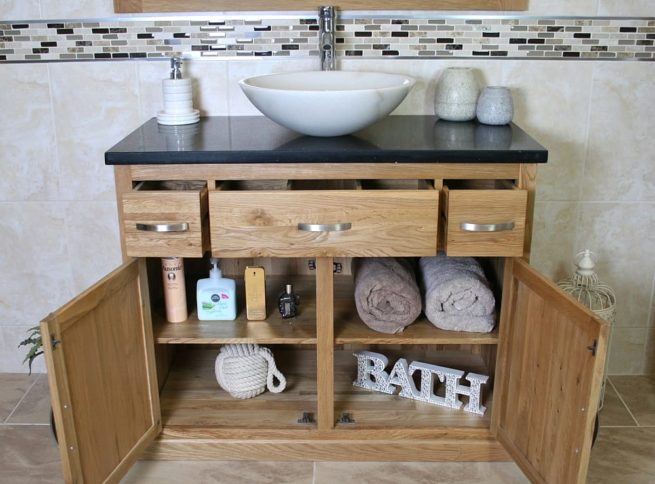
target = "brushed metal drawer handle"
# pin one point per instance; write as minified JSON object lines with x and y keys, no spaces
{"x":469,"y":227}
{"x":325,"y":227}
{"x":181,"y":227}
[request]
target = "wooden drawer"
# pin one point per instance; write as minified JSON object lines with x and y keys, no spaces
{"x":164,"y":223}
{"x":484,"y":222}
{"x":315,"y":223}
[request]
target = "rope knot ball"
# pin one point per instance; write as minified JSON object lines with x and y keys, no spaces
{"x":246,"y":370}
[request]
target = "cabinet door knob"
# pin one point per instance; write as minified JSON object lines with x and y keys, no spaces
{"x":470,"y":227}
{"x":180,"y":227}
{"x":325,"y":227}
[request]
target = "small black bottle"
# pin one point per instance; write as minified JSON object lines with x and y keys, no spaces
{"x":288,"y":303}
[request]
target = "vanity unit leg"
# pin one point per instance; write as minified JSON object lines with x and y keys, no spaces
{"x":325,"y":342}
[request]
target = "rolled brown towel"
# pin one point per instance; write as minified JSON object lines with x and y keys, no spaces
{"x":386,"y":293}
{"x":457,"y":294}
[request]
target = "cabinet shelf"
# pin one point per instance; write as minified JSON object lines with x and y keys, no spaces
{"x":192,"y":398}
{"x":194,"y":331}
{"x":374,"y":410}
{"x":273,"y":330}
{"x":193,"y":404}
{"x":350,"y":329}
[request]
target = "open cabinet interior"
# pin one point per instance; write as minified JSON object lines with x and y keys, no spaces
{"x":193,"y":402}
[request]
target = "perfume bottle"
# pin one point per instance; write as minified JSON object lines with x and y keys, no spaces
{"x":288,"y":303}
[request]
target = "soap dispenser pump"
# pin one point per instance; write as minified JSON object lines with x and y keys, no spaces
{"x":176,"y":71}
{"x":216,"y":296}
{"x":178,"y":98}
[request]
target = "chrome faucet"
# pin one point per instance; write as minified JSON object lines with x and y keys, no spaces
{"x":326,"y":20}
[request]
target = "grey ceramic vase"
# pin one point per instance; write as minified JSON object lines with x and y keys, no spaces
{"x":456,"y":94}
{"x":495,"y":106}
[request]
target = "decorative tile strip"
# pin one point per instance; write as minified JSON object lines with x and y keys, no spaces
{"x":490,"y":37}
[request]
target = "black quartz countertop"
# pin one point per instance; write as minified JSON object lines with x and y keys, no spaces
{"x":395,"y":139}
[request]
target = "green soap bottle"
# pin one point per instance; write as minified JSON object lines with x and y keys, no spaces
{"x":216,"y":296}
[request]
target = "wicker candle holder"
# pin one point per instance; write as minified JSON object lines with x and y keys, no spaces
{"x":584,"y":286}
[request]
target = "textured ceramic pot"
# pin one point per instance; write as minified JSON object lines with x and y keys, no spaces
{"x":495,"y":106}
{"x":456,"y":94}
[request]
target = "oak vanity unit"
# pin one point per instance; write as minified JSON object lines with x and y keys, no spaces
{"x":126,"y":384}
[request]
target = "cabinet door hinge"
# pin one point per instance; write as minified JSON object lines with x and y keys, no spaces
{"x":54,"y":342}
{"x":346,"y":418}
{"x":307,"y":418}
{"x":593,"y":347}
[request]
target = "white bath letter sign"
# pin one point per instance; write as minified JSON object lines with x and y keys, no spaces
{"x":371,"y":376}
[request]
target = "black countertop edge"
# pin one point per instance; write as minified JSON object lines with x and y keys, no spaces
{"x":256,"y":139}
{"x":248,"y":157}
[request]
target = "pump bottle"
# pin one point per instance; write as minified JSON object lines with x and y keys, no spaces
{"x":216,"y":296}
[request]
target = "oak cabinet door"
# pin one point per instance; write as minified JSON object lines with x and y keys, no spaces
{"x":550,"y":368}
{"x":101,"y":370}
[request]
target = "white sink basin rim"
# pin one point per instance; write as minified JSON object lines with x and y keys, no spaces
{"x":327,"y":103}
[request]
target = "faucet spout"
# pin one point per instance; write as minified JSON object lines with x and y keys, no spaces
{"x":326,"y":21}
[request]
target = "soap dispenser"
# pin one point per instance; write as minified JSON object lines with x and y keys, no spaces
{"x":178,"y":98}
{"x":216,"y":296}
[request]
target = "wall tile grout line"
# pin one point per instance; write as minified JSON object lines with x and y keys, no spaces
{"x":21,"y":400}
{"x":623,"y":402}
{"x":15,"y":424}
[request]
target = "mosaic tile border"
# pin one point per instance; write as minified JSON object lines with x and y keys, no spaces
{"x":370,"y":37}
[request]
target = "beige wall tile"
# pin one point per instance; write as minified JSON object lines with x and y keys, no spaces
{"x":562,"y":7}
{"x":621,"y":156}
{"x":626,"y":354}
{"x":77,"y":8}
{"x":95,"y":106}
{"x":623,"y":237}
{"x":150,"y":75}
{"x":35,"y":407}
{"x":11,"y":356}
{"x":637,"y":8}
{"x":614,"y":413}
{"x":420,"y":99}
{"x":36,"y":272}
{"x":551,"y":101}
{"x":13,"y":387}
{"x":94,"y":248}
{"x":28,"y":155}
{"x":210,"y":86}
{"x":417,"y":472}
{"x":638,"y":392}
{"x":553,"y":238}
{"x":20,"y":9}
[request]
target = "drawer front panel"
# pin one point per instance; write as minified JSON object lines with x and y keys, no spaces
{"x":345,"y":223}
{"x":485,"y":222}
{"x":165,"y":223}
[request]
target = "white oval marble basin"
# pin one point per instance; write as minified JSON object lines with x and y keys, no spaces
{"x":327,"y":103}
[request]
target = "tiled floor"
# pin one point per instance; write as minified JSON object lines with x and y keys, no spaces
{"x":624,"y":451}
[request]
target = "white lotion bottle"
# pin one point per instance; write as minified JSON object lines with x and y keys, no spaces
{"x":216,"y":296}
